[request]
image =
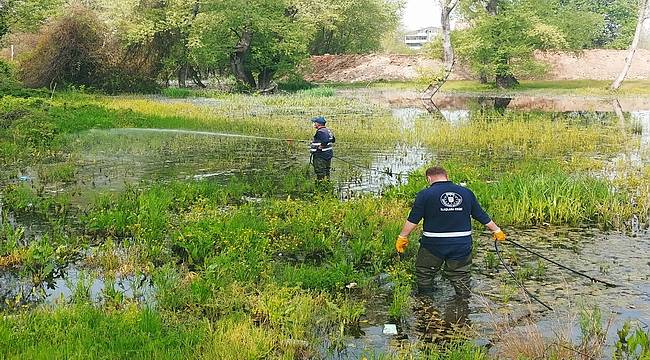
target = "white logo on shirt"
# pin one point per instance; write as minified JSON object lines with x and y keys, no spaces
{"x":451,"y":199}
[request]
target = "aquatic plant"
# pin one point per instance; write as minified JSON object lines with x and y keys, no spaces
{"x":63,"y":172}
{"x":633,"y":342}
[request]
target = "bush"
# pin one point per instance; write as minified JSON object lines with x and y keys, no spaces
{"x":7,"y":76}
{"x":295,"y":83}
{"x":75,"y":49}
{"x":68,"y":51}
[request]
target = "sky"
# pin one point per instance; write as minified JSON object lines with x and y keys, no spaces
{"x":420,"y":13}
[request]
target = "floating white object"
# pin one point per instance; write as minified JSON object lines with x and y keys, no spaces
{"x":390,"y":329}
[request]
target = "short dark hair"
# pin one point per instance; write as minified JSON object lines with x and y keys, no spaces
{"x":436,"y":171}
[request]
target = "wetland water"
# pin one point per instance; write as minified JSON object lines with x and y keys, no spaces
{"x":113,"y":159}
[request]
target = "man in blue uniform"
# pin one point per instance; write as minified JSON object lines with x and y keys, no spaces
{"x":321,"y":149}
{"x":447,"y":210}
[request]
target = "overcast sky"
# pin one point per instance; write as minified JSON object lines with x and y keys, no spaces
{"x":420,"y":13}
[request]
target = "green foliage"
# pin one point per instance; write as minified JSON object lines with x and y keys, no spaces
{"x":83,"y":331}
{"x":295,"y":82}
{"x":524,"y":196}
{"x":352,"y":26}
{"x":401,"y":276}
{"x":619,"y":16}
{"x":11,"y":238}
{"x":458,"y":350}
{"x":7,"y":77}
{"x":632,"y":343}
{"x":63,"y":172}
{"x":590,"y":321}
{"x":503,"y":45}
{"x":577,"y":25}
{"x":30,"y":15}
{"x":321,"y":91}
{"x":176,"y":93}
{"x":5,"y":10}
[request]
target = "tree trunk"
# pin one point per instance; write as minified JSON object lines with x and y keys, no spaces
{"x":264,"y":81}
{"x":635,"y":44}
{"x":182,"y":76}
{"x":196,"y":77}
{"x":448,"y":50}
{"x":492,"y":7}
{"x":447,"y":6}
{"x":238,"y":57}
{"x":506,"y":81}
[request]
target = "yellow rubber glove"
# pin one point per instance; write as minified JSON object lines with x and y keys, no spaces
{"x":401,"y":243}
{"x":499,"y":235}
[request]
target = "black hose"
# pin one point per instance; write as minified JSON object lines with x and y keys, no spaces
{"x":608,"y":284}
{"x":520,"y":284}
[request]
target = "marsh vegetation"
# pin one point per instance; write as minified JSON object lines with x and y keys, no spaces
{"x":156,"y":244}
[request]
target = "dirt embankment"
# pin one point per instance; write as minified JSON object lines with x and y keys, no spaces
{"x":591,"y":65}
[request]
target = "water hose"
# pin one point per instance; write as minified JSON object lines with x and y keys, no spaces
{"x":608,"y":284}
{"x":512,"y":274}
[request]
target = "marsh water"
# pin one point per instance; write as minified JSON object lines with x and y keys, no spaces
{"x":110,"y":160}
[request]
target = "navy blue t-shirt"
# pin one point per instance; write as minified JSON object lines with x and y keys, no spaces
{"x":447,"y":210}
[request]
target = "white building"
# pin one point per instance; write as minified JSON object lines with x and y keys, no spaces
{"x":416,"y":39}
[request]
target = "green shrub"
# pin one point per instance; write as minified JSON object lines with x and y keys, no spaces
{"x":295,"y":83}
{"x":68,"y":51}
{"x":177,"y":93}
{"x":8,"y":79}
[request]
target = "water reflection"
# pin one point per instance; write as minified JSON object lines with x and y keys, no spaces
{"x":642,"y":127}
{"x":456,"y":117}
{"x":69,"y":283}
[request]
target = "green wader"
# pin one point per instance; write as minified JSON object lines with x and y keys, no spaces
{"x":322,"y":167}
{"x":427,"y":266}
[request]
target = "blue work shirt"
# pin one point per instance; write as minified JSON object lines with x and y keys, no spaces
{"x":447,"y":210}
{"x":322,"y":144}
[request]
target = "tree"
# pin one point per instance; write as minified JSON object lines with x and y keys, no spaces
{"x":503,"y":38}
{"x":30,"y":15}
{"x":159,"y":31}
{"x":5,"y":8}
{"x":344,"y":26}
{"x":644,"y":6}
{"x":257,"y":39}
{"x":446,"y":8}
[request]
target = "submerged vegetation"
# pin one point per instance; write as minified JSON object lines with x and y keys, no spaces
{"x":265,"y":264}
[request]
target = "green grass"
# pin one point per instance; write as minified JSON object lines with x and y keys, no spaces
{"x":177,"y":93}
{"x":86,"y":332}
{"x":587,"y":88}
{"x":538,"y":192}
{"x":553,"y":87}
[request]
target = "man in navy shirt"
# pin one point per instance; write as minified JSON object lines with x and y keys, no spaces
{"x":447,"y":210}
{"x":321,"y":149}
